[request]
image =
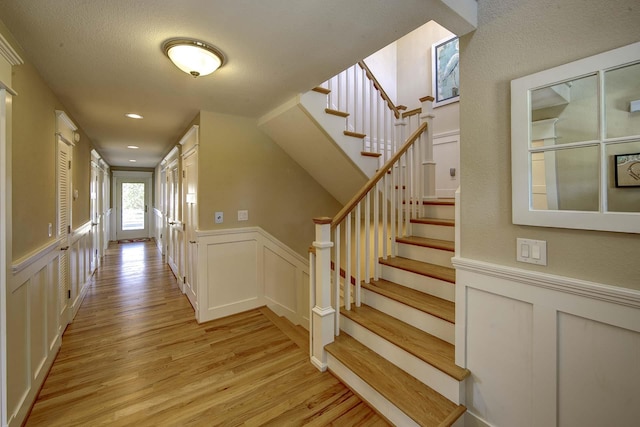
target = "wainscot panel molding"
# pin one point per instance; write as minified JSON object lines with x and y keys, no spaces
{"x":33,"y":257}
{"x":546,"y":349}
{"x":244,"y":268}
{"x":33,"y":322}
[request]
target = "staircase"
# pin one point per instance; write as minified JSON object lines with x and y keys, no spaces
{"x":396,"y":350}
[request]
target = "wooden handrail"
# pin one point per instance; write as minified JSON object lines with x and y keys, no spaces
{"x":377,"y":177}
{"x":378,"y":86}
{"x":411,"y":112}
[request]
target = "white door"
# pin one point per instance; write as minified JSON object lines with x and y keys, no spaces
{"x":132,"y":208}
{"x":174,"y":223}
{"x":190,"y":215}
{"x":64,"y":228}
{"x":95,"y":216}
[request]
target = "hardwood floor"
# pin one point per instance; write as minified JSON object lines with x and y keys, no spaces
{"x":135,"y":355}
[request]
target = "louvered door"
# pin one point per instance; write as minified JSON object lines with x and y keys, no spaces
{"x":64,"y":223}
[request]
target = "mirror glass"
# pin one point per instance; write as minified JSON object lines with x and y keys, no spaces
{"x":566,"y":179}
{"x":622,"y":87}
{"x":575,"y":144}
{"x":574,"y":104}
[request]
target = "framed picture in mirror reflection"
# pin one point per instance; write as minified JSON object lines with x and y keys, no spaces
{"x":627,"y":170}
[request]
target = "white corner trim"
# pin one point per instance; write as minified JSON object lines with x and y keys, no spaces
{"x":9,"y":53}
{"x":593,"y":290}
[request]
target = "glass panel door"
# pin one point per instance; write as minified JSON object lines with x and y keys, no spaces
{"x":132,"y":219}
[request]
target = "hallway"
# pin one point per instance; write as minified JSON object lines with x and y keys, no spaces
{"x":134,"y":355}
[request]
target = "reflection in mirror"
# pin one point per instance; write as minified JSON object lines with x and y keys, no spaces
{"x":566,"y":179}
{"x":623,"y":193}
{"x":574,"y":104}
{"x":622,"y":87}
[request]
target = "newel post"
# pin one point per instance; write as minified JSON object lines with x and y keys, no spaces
{"x":322,"y":314}
{"x":426,"y":139}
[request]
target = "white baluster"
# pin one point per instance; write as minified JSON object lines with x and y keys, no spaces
{"x":371,"y":116}
{"x":367,"y":238}
{"x":347,"y":94}
{"x":347,"y":263}
{"x":358,"y":255}
{"x":376,"y":229}
{"x":385,"y":204}
{"x":336,"y":277}
{"x":393,"y":208}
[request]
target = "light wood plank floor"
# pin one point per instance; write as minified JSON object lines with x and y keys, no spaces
{"x":134,"y":355}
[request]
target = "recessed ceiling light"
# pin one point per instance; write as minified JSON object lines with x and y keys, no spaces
{"x":133,"y":147}
{"x":133,"y":116}
{"x":132,"y":161}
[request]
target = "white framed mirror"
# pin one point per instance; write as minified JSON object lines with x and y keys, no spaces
{"x":575,"y":144}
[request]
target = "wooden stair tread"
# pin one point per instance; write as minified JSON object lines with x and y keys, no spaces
{"x":420,"y":402}
{"x":423,"y":268}
{"x":426,"y":303}
{"x":432,"y":350}
{"x":354,"y":134}
{"x":336,"y":112}
{"x":426,"y":242}
{"x":434,"y":221}
{"x":370,"y":154}
{"x":442,"y":202}
{"x":321,"y":90}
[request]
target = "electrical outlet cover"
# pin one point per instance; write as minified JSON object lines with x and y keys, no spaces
{"x":219,"y":217}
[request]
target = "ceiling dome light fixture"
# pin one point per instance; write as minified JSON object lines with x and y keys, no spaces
{"x":193,"y":56}
{"x":133,"y":116}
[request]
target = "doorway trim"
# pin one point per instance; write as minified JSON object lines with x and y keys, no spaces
{"x":121,"y":176}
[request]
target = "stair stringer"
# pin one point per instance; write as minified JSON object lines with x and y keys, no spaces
{"x":326,"y":154}
{"x":314,"y":105}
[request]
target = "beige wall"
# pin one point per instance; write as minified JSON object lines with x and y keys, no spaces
{"x":242,"y":168}
{"x":414,"y":74}
{"x":34,"y":161}
{"x":514,"y":39}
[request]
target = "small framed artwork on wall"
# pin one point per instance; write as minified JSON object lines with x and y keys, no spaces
{"x":445,"y":71}
{"x":627,"y":170}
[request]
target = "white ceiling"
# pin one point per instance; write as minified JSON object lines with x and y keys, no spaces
{"x":104,"y":59}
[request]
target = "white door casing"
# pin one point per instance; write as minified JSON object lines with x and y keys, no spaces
{"x":131,"y":177}
{"x":190,"y":214}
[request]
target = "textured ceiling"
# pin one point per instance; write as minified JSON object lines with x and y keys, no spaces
{"x":104,"y":59}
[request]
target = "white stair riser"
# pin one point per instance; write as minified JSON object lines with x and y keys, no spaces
{"x":425,"y":254}
{"x":439,"y":381}
{"x":439,"y":211}
{"x":370,"y":395}
{"x":428,"y":285}
{"x":433,"y":231}
{"x":419,"y":319}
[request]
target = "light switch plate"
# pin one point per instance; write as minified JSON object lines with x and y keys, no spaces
{"x":219,"y":217}
{"x":531,"y":251}
{"x":243,"y":215}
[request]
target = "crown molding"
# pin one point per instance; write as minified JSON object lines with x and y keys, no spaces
{"x":9,"y":53}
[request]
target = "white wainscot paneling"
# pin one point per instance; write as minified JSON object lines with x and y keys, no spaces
{"x":33,"y":323}
{"x":280,"y":279}
{"x":499,"y":347}
{"x":596,"y":365}
{"x":231,"y":277}
{"x":446,"y":154}
{"x":242,"y":269}
{"x":546,"y":350}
